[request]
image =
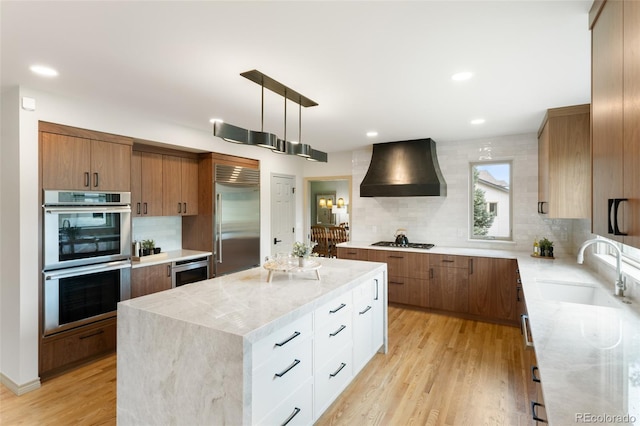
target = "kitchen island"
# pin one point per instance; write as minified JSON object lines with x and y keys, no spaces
{"x":240,"y":350}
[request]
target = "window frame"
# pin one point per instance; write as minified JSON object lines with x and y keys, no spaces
{"x":472,"y":236}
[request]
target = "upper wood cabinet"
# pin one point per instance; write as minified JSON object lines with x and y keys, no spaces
{"x":71,"y":162}
{"x":615,"y":116}
{"x":564,"y":163}
{"x":180,"y":186}
{"x":146,"y":184}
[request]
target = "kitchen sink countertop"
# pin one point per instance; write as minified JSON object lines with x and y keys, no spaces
{"x":588,"y":353}
{"x":168,"y":256}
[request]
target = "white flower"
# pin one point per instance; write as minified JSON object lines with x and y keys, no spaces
{"x":304,"y":250}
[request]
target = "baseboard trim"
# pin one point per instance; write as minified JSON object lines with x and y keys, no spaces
{"x":19,"y":389}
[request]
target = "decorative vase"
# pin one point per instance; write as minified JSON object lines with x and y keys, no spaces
{"x":302,"y":261}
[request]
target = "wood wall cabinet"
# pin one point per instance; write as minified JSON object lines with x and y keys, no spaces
{"x":150,"y":279}
{"x":449,"y":285}
{"x":70,"y":348}
{"x":493,"y":289}
{"x":615,"y":115}
{"x":73,"y":162}
{"x":180,"y":186}
{"x":564,"y":163}
{"x":146,"y":184}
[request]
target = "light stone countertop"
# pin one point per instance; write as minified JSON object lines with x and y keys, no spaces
{"x":168,"y":256}
{"x":245,"y":304}
{"x":588,"y":356}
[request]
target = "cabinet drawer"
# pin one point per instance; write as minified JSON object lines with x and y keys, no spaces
{"x":280,"y":377}
{"x":295,"y":410}
{"x":282,"y":340}
{"x":450,"y":261}
{"x":333,"y":337}
{"x":331,"y":379}
{"x":397,"y":261}
{"x":337,"y":307}
{"x":72,"y":347}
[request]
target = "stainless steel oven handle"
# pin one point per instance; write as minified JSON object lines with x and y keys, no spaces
{"x":84,"y":270}
{"x":63,"y":210}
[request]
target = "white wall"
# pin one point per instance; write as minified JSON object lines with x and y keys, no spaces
{"x":444,"y":221}
{"x":19,"y":189}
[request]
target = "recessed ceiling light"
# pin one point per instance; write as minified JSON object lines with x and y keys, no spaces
{"x":44,"y":70}
{"x":465,"y":75}
{"x":477,"y":121}
{"x":216,"y":120}
{"x":372,"y":134}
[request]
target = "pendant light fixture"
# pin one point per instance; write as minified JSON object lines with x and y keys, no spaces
{"x":235,"y":134}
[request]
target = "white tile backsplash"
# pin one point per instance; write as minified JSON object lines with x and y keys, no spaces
{"x":166,"y":231}
{"x":445,"y":220}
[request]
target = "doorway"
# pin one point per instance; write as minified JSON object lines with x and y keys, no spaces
{"x":317,"y":207}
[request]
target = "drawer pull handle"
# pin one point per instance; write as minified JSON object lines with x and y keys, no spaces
{"x":296,"y":410}
{"x":342,"y":305}
{"x":396,"y":257}
{"x":342,"y":365}
{"x":396,"y":282}
{"x":86,"y":179}
{"x":290,"y":338}
{"x":335,"y":333}
{"x":293,"y":364}
{"x":448,"y":261}
{"x":377,"y":284}
{"x":535,"y":378}
{"x":365,"y":310}
{"x":534,"y":415}
{"x":525,"y":331}
{"x":86,"y":336}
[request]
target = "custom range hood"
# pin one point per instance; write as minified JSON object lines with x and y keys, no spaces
{"x":404,"y":169}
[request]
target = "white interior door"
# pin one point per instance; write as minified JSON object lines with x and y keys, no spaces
{"x":282,"y":214}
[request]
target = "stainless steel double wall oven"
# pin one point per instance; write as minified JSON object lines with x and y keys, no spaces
{"x":86,"y":256}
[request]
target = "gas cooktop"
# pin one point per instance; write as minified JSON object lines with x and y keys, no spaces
{"x":408,"y":245}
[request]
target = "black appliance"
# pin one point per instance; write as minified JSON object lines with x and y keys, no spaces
{"x":189,"y":271}
{"x":422,"y":246}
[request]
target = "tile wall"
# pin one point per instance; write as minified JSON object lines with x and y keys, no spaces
{"x":444,"y":220}
{"x":166,"y":231}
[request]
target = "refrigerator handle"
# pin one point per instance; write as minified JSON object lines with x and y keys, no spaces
{"x":219,"y":216}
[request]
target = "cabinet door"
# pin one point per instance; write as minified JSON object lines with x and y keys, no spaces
{"x":171,"y":185}
{"x":151,"y":184}
{"x":136,"y":183}
{"x":632,"y":122}
{"x":492,"y":288}
{"x":66,"y":162}
{"x":449,"y":289}
{"x":189,"y":186}
{"x":543,"y":170}
{"x":606,"y":113}
{"x":110,"y":166}
{"x":150,"y":279}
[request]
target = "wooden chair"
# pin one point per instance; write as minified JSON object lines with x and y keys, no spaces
{"x":320,"y":236}
{"x":337,"y":235}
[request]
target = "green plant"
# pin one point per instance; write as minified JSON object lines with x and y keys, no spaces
{"x":148,"y":244}
{"x":545,"y":244}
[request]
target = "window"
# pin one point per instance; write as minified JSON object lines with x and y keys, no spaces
{"x":490,"y":200}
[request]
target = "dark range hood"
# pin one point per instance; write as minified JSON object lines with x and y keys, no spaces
{"x":404,"y":169}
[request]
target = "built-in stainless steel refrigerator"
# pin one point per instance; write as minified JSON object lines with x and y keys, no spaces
{"x":236,"y":219}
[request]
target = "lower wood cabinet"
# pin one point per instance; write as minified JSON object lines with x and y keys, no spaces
{"x":449,"y":284}
{"x":68,"y":348}
{"x":478,"y":287}
{"x":150,"y":279}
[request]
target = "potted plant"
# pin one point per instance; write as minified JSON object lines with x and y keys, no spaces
{"x":302,"y":251}
{"x":147,"y":247}
{"x":546,"y":248}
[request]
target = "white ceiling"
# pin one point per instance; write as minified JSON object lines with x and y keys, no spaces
{"x":383,"y":66}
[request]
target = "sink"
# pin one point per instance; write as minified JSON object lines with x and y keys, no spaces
{"x":575,"y":292}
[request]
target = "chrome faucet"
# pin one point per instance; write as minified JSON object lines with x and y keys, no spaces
{"x":621,"y":285}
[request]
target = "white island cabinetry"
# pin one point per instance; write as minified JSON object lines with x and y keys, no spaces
{"x":240,"y":350}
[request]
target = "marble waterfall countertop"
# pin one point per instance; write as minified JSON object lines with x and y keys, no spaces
{"x":588,"y":356}
{"x":245,"y":304}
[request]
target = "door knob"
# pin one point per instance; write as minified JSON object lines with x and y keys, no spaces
{"x":276,"y":241}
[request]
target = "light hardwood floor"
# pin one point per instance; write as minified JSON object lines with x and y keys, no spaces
{"x":440,"y":370}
